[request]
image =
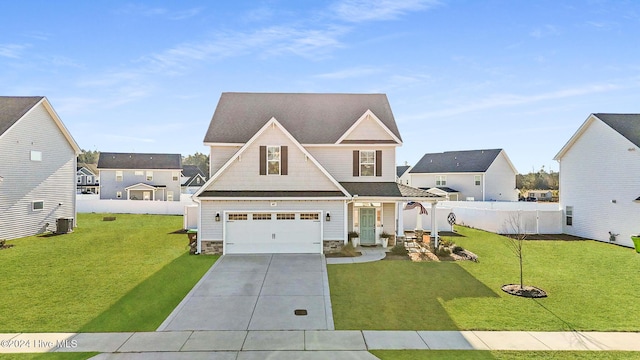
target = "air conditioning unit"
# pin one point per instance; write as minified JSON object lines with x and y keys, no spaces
{"x":64,"y":225}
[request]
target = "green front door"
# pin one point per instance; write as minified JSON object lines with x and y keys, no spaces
{"x":367,"y":226}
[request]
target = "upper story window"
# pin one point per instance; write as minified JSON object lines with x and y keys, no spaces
{"x":367,"y":163}
{"x":79,"y":179}
{"x":441,"y":180}
{"x":119,"y":175}
{"x":273,"y":160}
{"x":149,"y":175}
{"x":89,"y":179}
{"x":477,"y":179}
{"x":175,"y":176}
{"x":36,"y":155}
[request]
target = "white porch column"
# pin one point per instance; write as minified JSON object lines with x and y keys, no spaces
{"x":400,"y":217}
{"x":434,"y":223}
{"x":418,"y":220}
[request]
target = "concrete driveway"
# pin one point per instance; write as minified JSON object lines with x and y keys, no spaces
{"x":258,"y":292}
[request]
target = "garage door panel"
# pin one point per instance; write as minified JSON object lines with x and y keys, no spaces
{"x":283,"y":233}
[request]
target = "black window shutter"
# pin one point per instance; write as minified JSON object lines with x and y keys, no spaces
{"x":284,"y":160}
{"x":356,"y":163}
{"x":263,"y":160}
{"x":378,"y":162}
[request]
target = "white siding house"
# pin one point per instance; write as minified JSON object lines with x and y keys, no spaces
{"x":599,"y":189}
{"x":37,"y":167}
{"x":294,"y":173}
{"x":476,"y":175}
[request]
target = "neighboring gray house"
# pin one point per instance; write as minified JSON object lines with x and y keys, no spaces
{"x":87,"y":179}
{"x":599,"y":189}
{"x":37,"y":167}
{"x":294,"y":173}
{"x":192,"y":179}
{"x":473,"y":175}
{"x":150,"y":177}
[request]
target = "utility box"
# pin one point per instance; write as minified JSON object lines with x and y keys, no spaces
{"x":64,"y":225}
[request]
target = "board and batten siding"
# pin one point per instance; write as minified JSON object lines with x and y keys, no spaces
{"x":389,"y":218}
{"x":52,"y":180}
{"x":369,"y":129}
{"x":219,"y":155}
{"x":244,"y":172}
{"x":592,"y":178}
{"x":338,"y":161}
{"x":500,"y":181}
{"x":211,"y":230}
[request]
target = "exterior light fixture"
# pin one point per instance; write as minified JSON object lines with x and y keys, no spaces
{"x":217,"y":216}
{"x":328,"y":218}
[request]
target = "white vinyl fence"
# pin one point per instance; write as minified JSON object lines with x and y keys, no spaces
{"x":93,"y":204}
{"x":497,"y":217}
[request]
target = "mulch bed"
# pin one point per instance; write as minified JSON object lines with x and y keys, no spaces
{"x":4,"y":245}
{"x":525,"y":291}
{"x":341,"y":255}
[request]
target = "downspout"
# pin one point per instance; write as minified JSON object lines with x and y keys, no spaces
{"x":199,"y":235}
{"x":483,"y":187}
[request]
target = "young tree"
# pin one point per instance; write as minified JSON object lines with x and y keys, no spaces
{"x":515,"y":230}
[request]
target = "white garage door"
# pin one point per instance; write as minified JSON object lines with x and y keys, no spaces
{"x":267,"y":232}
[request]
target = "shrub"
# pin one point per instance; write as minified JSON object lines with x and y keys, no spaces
{"x":353,"y":234}
{"x":445,"y":242}
{"x":399,"y":249}
{"x":348,"y":250}
{"x":385,"y":235}
{"x":443,"y":251}
{"x":457,"y":249}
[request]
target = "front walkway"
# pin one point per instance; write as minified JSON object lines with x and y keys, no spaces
{"x":306,"y":344}
{"x":369,"y":254}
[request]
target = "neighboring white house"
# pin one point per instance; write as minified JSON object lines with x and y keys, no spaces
{"x":473,"y":175}
{"x":599,"y":189}
{"x":134,"y":176}
{"x":402,"y":174}
{"x":294,"y":173}
{"x":37,"y":168}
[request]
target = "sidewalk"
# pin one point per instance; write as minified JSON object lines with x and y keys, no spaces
{"x":309,"y":343}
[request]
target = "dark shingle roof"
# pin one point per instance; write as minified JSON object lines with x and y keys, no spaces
{"x":310,"y":118}
{"x":383,"y":189}
{"x":139,"y":161}
{"x":628,"y":125}
{"x":456,"y":161}
{"x":191,"y":171}
{"x":12,"y":108}
{"x":401,"y":169}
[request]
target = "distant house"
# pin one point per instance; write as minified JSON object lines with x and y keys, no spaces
{"x":87,"y":179}
{"x":37,"y":167}
{"x":192,"y":179}
{"x":599,"y":187}
{"x":473,"y":175}
{"x":134,"y":176}
{"x":540,"y":195}
{"x":402,"y":174}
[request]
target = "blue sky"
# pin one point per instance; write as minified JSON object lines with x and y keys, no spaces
{"x":146,"y":76}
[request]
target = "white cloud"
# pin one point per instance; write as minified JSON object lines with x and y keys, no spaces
{"x":544,"y":31}
{"x":505,"y":100}
{"x":350,"y":73}
{"x":13,"y":51}
{"x":373,"y":10}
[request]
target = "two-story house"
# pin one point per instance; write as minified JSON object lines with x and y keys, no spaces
{"x":87,"y":179}
{"x":473,"y":175}
{"x":135,"y":176}
{"x":37,"y":168}
{"x":599,"y":192}
{"x":294,"y":173}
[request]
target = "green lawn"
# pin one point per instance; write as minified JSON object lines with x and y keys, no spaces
{"x":502,"y":355}
{"x":123,"y":275}
{"x":591,"y":286}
